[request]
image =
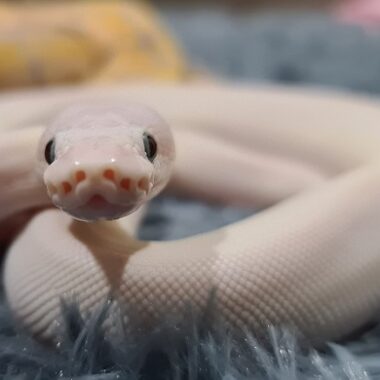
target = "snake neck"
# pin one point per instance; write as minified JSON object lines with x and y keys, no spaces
{"x":20,"y":185}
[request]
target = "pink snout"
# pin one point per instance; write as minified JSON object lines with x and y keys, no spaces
{"x":98,"y":185}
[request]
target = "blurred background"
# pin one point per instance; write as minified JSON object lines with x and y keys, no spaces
{"x":321,"y":42}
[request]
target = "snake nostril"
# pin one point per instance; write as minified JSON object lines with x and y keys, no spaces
{"x":80,"y":176}
{"x":66,"y":187}
{"x":109,"y":174}
{"x":125,"y":183}
{"x":143,"y":184}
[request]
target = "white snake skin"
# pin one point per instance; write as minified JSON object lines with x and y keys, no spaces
{"x":311,"y":261}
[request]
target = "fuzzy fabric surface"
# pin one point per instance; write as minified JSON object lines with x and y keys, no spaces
{"x":290,"y":48}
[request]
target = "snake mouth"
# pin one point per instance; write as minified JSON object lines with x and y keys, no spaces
{"x":98,"y":207}
{"x":97,"y":201}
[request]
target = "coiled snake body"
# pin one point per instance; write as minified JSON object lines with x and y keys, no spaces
{"x":311,"y":261}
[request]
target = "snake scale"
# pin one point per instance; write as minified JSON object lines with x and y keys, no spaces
{"x":309,"y":158}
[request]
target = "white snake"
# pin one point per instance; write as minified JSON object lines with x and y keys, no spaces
{"x":311,"y":261}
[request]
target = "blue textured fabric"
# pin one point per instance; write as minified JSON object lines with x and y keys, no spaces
{"x":288,"y":48}
{"x":307,"y":48}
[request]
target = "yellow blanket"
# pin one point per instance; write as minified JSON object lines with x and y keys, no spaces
{"x":42,"y":44}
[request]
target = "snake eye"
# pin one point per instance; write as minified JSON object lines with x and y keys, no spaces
{"x":50,"y":152}
{"x":150,"y":147}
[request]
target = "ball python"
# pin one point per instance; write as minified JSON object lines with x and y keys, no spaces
{"x":309,"y":158}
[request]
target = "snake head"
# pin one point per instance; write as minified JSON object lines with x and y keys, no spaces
{"x":104,"y":161}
